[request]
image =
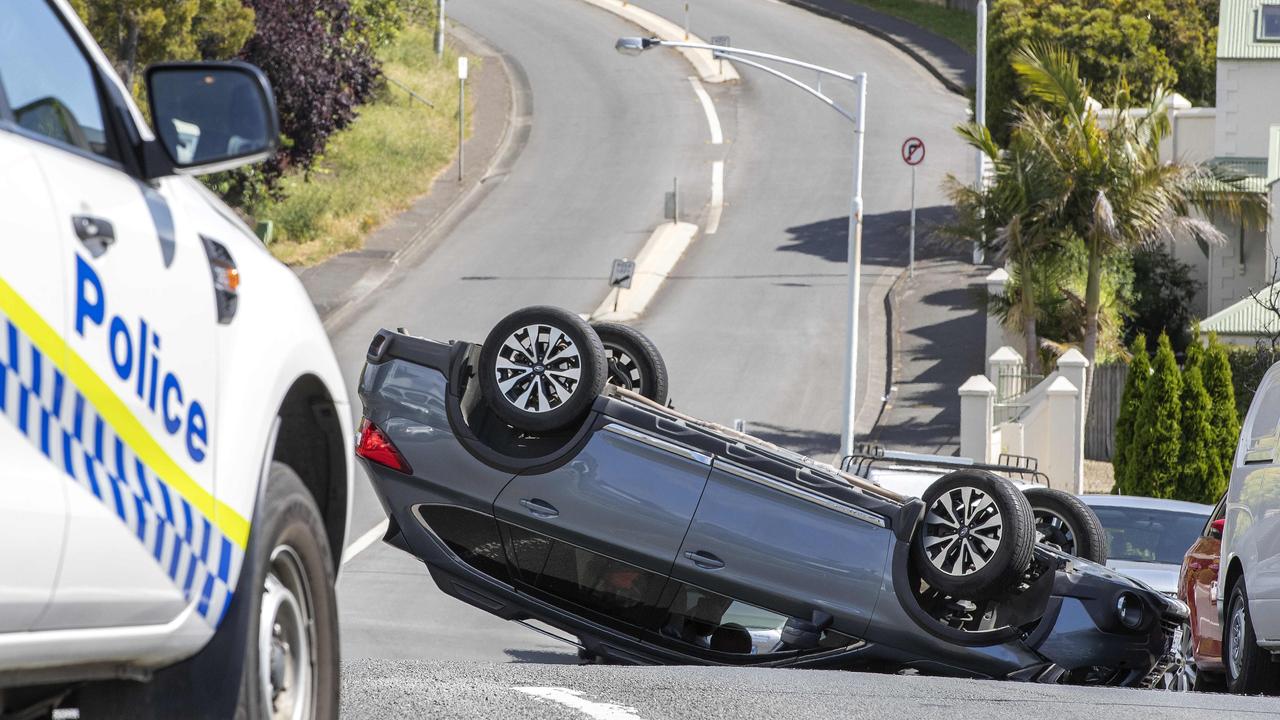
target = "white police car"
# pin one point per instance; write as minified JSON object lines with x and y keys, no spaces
{"x":175,"y":470}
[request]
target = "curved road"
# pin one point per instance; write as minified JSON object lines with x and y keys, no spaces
{"x":763,"y":298}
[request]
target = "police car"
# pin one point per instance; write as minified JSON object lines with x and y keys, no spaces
{"x":175,"y":471}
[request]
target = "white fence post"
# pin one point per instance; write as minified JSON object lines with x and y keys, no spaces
{"x":1061,"y":464}
{"x":996,"y":283}
{"x":1072,"y":365}
{"x":1003,"y":367}
{"x":977,"y":397}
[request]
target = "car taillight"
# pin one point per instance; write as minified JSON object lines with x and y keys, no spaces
{"x":1218,"y":525}
{"x":375,"y":446}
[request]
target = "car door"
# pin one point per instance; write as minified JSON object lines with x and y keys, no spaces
{"x":602,"y":531}
{"x":1252,"y":531}
{"x":142,"y":356}
{"x":1198,"y":586}
{"x":777,"y":545}
{"x":32,"y":303}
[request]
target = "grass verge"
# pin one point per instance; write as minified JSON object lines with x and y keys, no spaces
{"x":957,"y":26}
{"x":378,"y":165}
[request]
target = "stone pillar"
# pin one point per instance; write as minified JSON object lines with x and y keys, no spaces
{"x":1002,"y":365}
{"x":1060,"y":460}
{"x":977,"y":396}
{"x":996,"y":283}
{"x":1073,"y":366}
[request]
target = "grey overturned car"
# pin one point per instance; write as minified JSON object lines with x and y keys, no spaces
{"x":541,"y":476}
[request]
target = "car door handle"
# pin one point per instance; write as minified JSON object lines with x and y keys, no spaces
{"x":96,"y":234}
{"x":704,"y":560}
{"x":540,"y":508}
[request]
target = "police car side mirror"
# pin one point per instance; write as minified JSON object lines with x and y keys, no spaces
{"x":210,"y":117}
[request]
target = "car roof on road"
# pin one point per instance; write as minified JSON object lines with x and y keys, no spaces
{"x":1150,"y":503}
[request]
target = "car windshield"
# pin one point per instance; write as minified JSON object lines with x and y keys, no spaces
{"x":1146,"y":535}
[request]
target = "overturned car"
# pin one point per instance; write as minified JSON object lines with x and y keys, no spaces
{"x":535,"y":489}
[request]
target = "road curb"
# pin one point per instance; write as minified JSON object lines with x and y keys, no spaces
{"x":709,"y":69}
{"x":892,"y":329}
{"x":888,"y":37}
{"x":363,"y":271}
{"x":654,"y":263}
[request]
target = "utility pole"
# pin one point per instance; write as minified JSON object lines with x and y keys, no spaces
{"x":462,"y":109}
{"x":439,"y":29}
{"x":980,"y":108}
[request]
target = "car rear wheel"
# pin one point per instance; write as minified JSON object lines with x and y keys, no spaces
{"x":633,"y":360}
{"x":1063,"y":520}
{"x":977,"y":536}
{"x":541,"y":368}
{"x":1249,"y":667}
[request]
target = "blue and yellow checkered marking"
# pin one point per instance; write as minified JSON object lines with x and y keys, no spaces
{"x":61,"y":422}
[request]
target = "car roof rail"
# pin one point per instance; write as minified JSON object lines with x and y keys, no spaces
{"x":1009,"y":465}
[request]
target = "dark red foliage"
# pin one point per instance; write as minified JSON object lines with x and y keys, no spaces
{"x":320,"y":68}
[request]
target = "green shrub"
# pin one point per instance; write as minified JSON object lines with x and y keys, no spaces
{"x":1135,"y":384}
{"x":1158,"y":434}
{"x":1200,"y":465}
{"x":1247,"y":366}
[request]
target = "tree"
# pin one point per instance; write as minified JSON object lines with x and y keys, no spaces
{"x":1223,"y":419}
{"x":1157,"y":440}
{"x":1199,"y":465}
{"x":1162,"y":295}
{"x":136,"y":33}
{"x":1013,"y":216}
{"x":1135,"y":386}
{"x":1132,"y":46}
{"x":1122,"y":195}
{"x":321,"y":67}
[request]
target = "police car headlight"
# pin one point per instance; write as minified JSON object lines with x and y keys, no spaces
{"x":1130,"y":610}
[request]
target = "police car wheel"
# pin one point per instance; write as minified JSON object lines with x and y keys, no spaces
{"x":541,"y":368}
{"x":291,"y":668}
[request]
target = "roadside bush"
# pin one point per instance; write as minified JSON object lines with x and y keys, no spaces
{"x":1135,"y":385}
{"x":1161,"y":297}
{"x":1224,"y":418}
{"x":1247,"y":366}
{"x":1200,"y":468}
{"x":1157,"y":440}
{"x":1126,"y":46}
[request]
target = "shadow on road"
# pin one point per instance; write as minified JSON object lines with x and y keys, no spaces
{"x":805,"y":442}
{"x":542,"y":657}
{"x":884,"y":236}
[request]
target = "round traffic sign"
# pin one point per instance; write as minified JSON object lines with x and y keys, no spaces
{"x":913,"y":151}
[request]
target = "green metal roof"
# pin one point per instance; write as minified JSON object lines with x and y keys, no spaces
{"x":1246,"y":317}
{"x":1240,"y":31}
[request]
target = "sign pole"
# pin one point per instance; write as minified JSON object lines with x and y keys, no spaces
{"x":911,"y":252}
{"x":462,"y":110}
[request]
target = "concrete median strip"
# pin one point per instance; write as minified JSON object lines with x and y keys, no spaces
{"x":707,"y":67}
{"x":655,"y":262}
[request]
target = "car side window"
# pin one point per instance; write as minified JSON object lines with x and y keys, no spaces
{"x":46,"y":79}
{"x":1261,"y":446}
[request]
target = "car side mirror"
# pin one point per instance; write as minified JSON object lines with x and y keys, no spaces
{"x":210,"y":117}
{"x":1216,"y":527}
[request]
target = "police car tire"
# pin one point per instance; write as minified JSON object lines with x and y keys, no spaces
{"x":541,"y":413}
{"x":633,"y":360}
{"x":1006,"y":564}
{"x":1067,"y":522}
{"x":292,"y":521}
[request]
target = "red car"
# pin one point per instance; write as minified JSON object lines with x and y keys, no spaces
{"x":1198,"y":588}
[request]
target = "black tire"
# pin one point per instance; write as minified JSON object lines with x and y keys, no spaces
{"x":978,"y":553}
{"x":549,"y":373}
{"x":633,"y":360}
{"x":1065,"y":521}
{"x":1249,"y":667}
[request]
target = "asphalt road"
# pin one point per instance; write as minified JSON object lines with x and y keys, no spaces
{"x":374,"y":689}
{"x":751,"y":325}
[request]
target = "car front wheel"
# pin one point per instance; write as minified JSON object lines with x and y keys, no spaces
{"x":1249,"y":667}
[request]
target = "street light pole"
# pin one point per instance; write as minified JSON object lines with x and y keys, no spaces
{"x":635,"y":46}
{"x":439,"y":29}
{"x":980,"y":107}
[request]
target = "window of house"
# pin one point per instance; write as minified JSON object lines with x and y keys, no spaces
{"x":1269,"y":22}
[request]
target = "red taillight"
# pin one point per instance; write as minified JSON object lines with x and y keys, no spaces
{"x":1218,"y":525}
{"x":375,"y":446}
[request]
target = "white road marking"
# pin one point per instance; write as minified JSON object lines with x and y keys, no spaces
{"x":575,"y":700}
{"x":363,"y":542}
{"x":708,"y":107}
{"x":717,"y":197}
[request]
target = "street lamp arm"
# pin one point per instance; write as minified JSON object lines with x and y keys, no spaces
{"x":738,"y":53}
{"x":803,"y":86}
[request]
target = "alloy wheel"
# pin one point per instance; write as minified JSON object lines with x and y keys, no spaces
{"x":1055,"y":530}
{"x":538,"y":368}
{"x":962,"y":531}
{"x":286,"y":639}
{"x":624,"y":371}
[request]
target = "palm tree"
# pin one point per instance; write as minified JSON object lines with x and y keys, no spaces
{"x":1119,"y":194}
{"x":1014,"y":216}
